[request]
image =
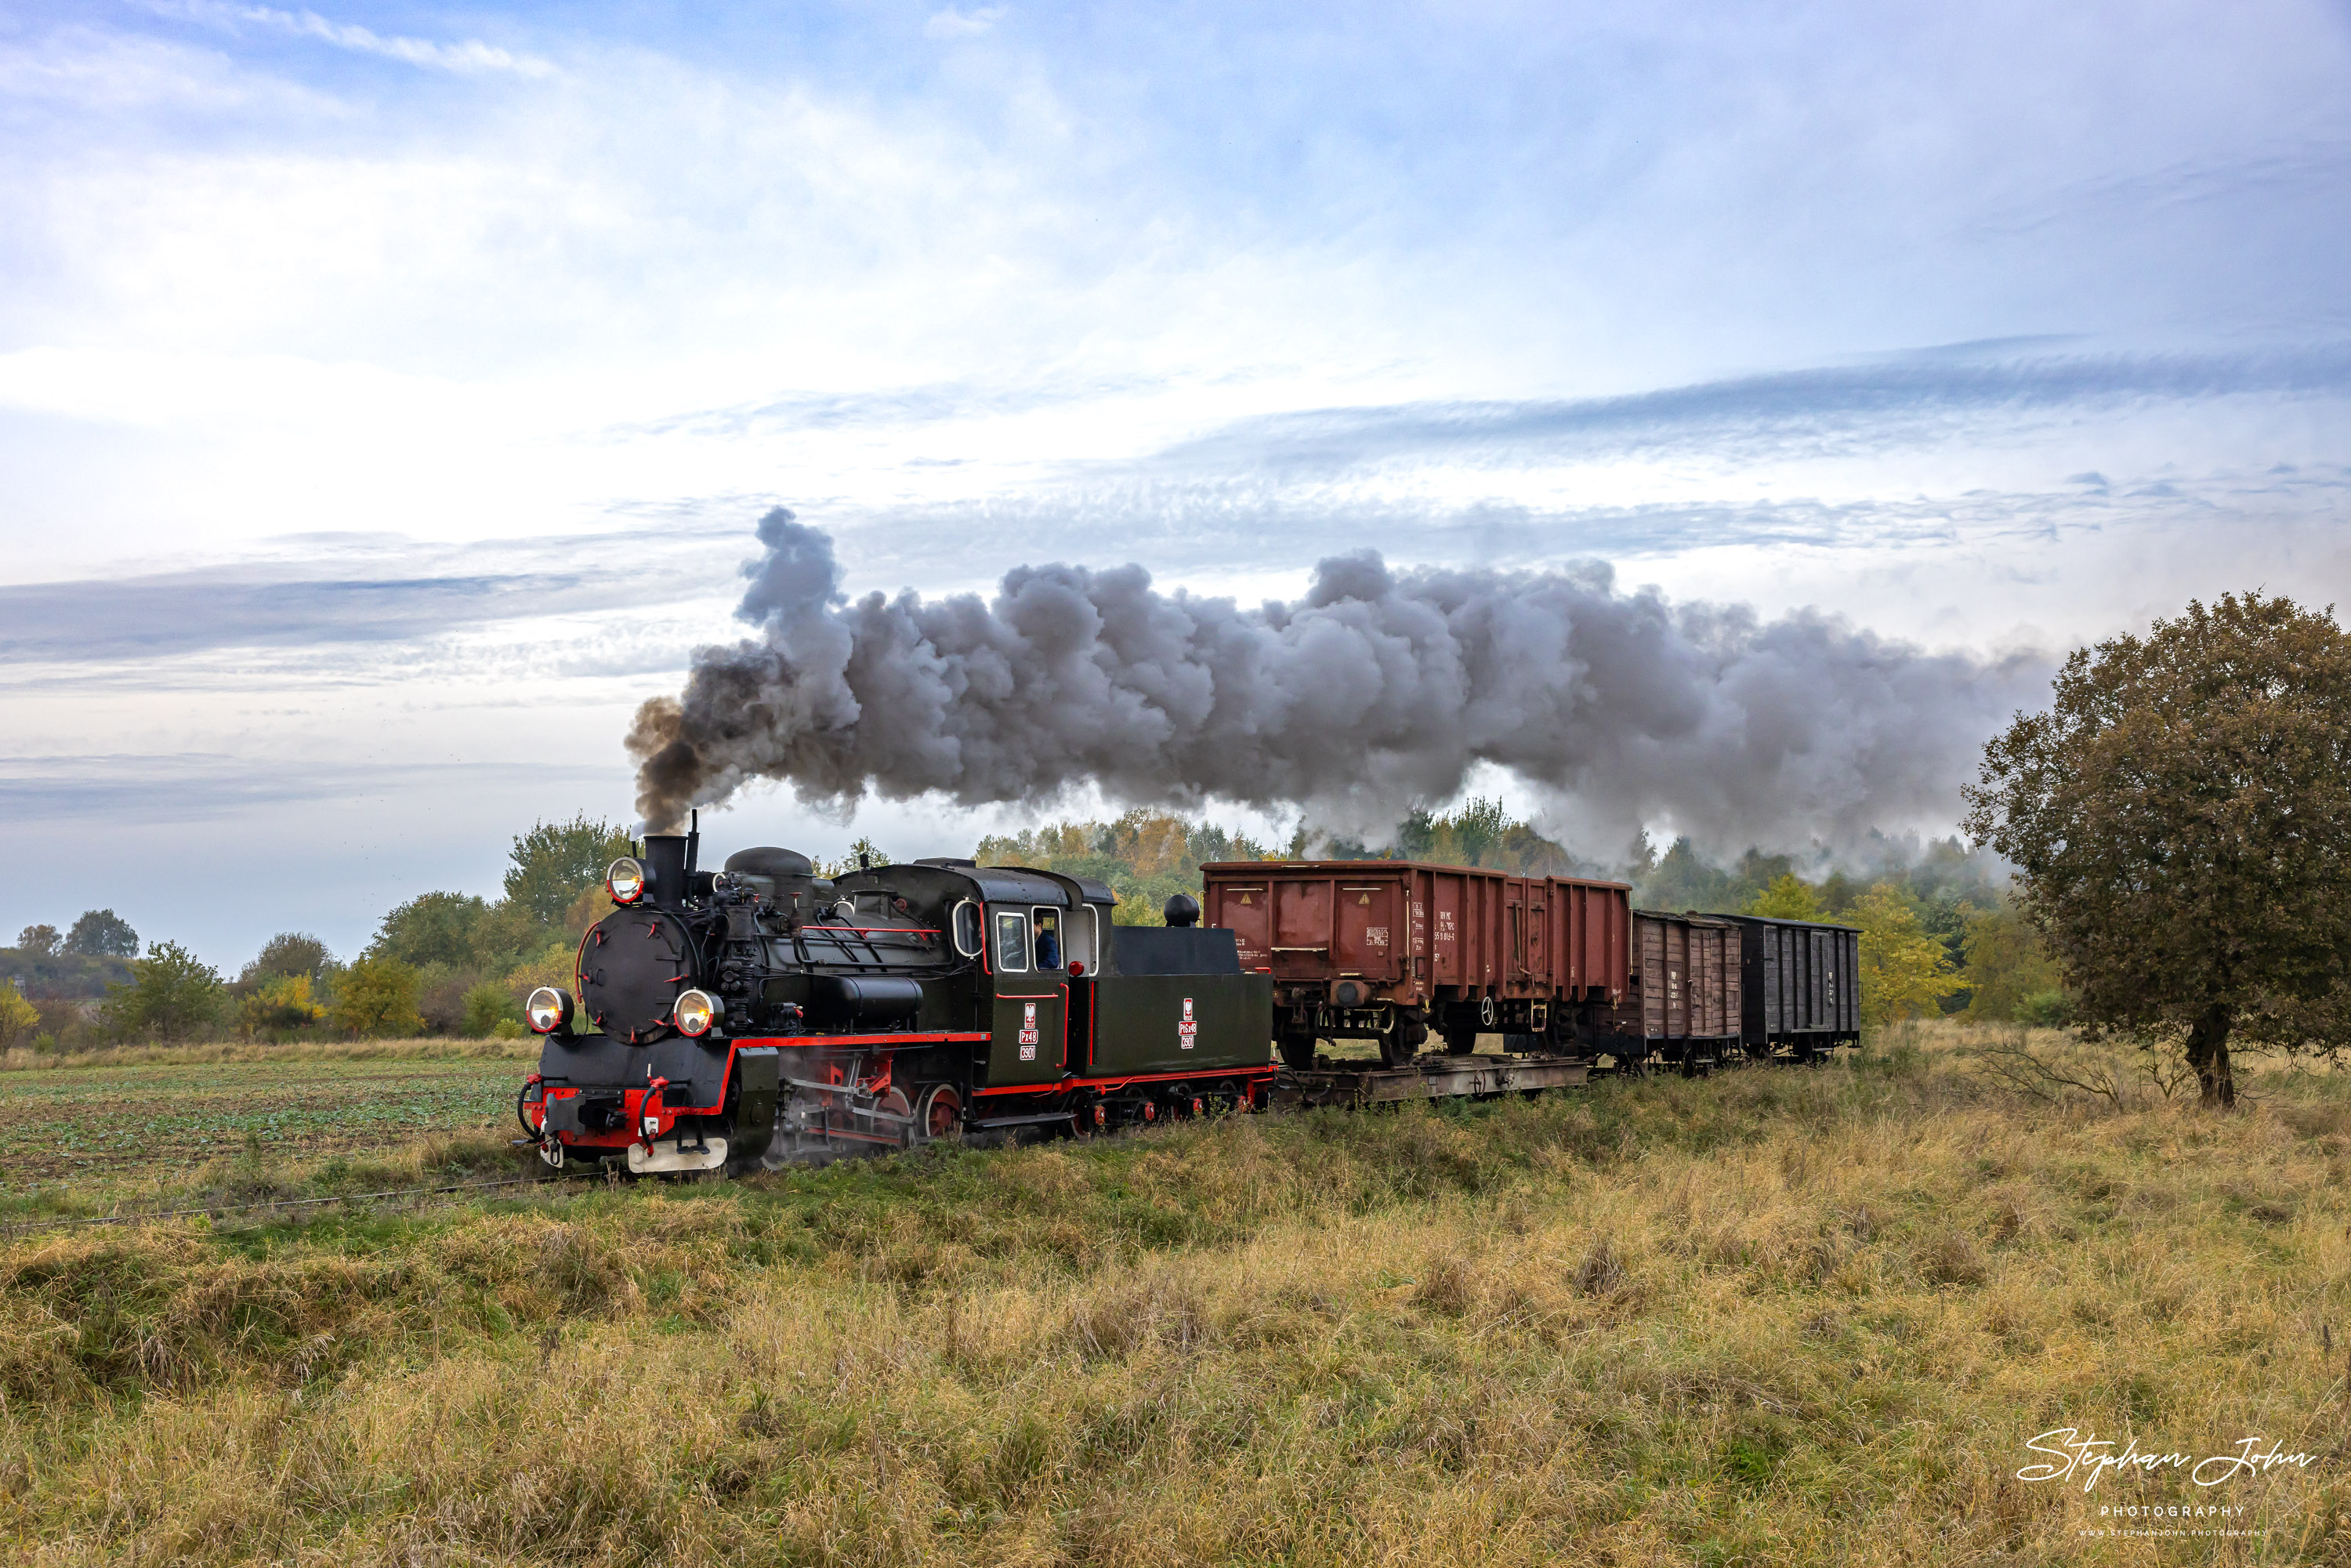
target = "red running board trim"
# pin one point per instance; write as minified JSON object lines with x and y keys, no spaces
{"x":801,"y":1041}
{"x":1064,"y":1085}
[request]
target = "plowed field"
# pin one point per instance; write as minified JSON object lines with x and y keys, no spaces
{"x":102,"y":1120}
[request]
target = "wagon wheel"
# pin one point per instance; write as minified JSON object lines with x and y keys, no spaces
{"x":1298,"y":1052}
{"x":940,"y":1117}
{"x":1394,"y":1050}
{"x":1460,"y":1042}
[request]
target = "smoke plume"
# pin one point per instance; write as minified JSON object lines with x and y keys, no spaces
{"x":1376,"y":689}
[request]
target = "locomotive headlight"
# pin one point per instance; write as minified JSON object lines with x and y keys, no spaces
{"x":695,"y":1013}
{"x":625,"y":881}
{"x":548,"y":1009}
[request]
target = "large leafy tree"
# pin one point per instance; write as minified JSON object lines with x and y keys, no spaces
{"x":2182,"y":819}
{"x":431,"y":928}
{"x":101,"y":933}
{"x":555,"y":861}
{"x":288,"y":953}
{"x":1905,"y":973}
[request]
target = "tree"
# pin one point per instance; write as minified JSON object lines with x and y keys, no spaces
{"x":170,"y":994}
{"x":431,"y":928}
{"x":101,"y":933}
{"x":1790,"y":897}
{"x":377,"y":996}
{"x":17,"y":1016}
{"x":2010,"y":969}
{"x":2182,"y":819}
{"x":39,"y":941}
{"x":1905,"y":972}
{"x":1684,"y":880}
{"x":555,"y":861}
{"x":287,"y":952}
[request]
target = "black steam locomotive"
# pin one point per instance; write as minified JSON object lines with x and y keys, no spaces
{"x":762,"y":1015}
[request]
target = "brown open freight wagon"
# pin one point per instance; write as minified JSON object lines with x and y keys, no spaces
{"x":1391,"y":950}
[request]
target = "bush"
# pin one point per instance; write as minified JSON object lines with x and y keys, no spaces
{"x":487,"y":1006}
{"x":2045,"y":1010}
{"x":377,"y":996}
{"x":170,"y":994}
{"x":282,"y":1006}
{"x":17,"y":1016}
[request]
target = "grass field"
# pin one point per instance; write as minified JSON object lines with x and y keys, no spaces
{"x":110,"y":1122}
{"x":1774,"y":1316}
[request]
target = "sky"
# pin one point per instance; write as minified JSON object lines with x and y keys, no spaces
{"x":388,"y":392}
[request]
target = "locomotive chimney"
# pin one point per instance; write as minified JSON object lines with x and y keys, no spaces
{"x":667,"y":855}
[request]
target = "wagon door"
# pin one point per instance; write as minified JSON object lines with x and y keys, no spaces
{"x":1302,"y":927}
{"x":1244,"y":909}
{"x":1368,"y":925}
{"x":1030,"y":1034}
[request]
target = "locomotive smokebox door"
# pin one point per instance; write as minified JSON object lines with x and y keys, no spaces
{"x":1030,"y":1037}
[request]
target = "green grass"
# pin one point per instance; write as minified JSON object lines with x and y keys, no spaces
{"x":96,"y":1124}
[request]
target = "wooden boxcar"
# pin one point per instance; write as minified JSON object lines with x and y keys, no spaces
{"x":1684,"y":1001}
{"x":1391,"y":950}
{"x":1801,"y":986}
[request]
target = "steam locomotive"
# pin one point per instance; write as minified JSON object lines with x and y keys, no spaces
{"x":762,"y":1015}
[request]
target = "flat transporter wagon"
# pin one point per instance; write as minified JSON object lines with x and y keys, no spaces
{"x":1397,"y":950}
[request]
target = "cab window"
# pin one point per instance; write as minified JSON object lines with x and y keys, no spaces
{"x":967,"y":929}
{"x":1078,"y":940}
{"x":1048,"y":938}
{"x":1011,"y":942}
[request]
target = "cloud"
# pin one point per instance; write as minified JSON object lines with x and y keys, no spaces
{"x":204,"y":786}
{"x":469,"y":57}
{"x":1798,"y":411}
{"x":338,"y":590}
{"x":952,"y":23}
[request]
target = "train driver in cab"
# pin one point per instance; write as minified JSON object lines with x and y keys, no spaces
{"x":1049,"y":941}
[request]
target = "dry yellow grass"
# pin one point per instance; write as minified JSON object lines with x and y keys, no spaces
{"x":1784,"y":1316}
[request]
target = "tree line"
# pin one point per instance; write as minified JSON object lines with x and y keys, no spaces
{"x":442,"y":963}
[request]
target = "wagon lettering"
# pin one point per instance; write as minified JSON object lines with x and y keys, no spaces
{"x":1376,"y":936}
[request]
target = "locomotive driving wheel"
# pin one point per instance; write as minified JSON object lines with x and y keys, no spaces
{"x":938,"y":1115}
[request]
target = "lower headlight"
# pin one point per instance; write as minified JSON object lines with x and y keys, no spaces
{"x":696,"y":1011}
{"x":548,"y":1009}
